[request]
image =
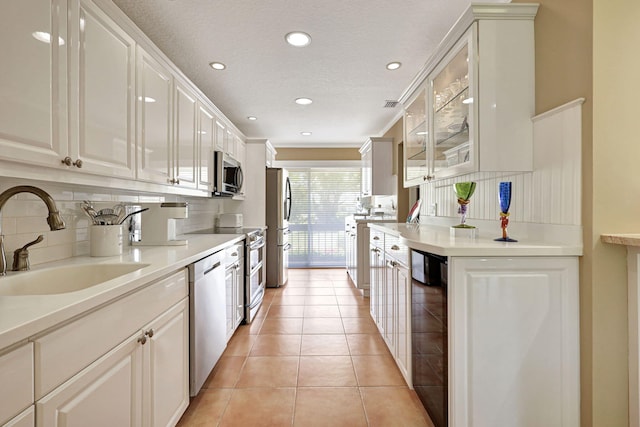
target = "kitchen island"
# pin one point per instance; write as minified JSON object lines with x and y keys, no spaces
{"x":510,"y":323}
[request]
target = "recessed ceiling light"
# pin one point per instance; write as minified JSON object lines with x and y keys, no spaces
{"x":303,"y":101}
{"x":46,"y":37}
{"x":217,"y":65}
{"x":147,"y":99}
{"x":306,"y":133}
{"x":298,"y":39}
{"x":252,"y":118}
{"x":393,"y":65}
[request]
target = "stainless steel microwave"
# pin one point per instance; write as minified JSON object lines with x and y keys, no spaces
{"x":227,"y":175}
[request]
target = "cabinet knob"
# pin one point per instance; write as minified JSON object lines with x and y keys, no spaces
{"x":149,"y":333}
{"x":234,"y":254}
{"x":174,"y":181}
{"x":67,"y":161}
{"x":376,"y":238}
{"x":78,"y":164}
{"x":395,"y":248}
{"x":142,"y":340}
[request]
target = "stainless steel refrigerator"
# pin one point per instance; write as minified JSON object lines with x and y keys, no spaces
{"x":278,"y":214}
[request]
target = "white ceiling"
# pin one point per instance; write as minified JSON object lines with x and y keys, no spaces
{"x":343,"y":70}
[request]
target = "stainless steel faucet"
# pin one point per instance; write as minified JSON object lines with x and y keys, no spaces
{"x":54,"y":219}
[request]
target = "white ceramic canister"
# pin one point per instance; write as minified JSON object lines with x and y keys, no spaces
{"x":106,"y":240}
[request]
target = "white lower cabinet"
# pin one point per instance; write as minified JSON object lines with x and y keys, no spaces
{"x":16,"y":369}
{"x":390,"y":297}
{"x":397,"y":308}
{"x":107,"y":393}
{"x":126,"y":364}
{"x":234,"y":285}
{"x":514,"y":341}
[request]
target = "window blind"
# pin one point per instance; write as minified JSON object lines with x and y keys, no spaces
{"x":322,"y":197}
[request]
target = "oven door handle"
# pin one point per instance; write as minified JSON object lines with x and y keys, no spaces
{"x":256,"y":268}
{"x":258,"y":245}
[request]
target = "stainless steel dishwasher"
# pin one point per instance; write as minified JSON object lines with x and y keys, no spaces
{"x":207,"y":316}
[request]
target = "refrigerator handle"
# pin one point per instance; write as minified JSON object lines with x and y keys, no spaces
{"x":288,"y":200}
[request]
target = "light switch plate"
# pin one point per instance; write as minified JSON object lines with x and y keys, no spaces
{"x":432,"y":209}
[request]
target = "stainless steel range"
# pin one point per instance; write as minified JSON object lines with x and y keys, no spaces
{"x":254,"y":256}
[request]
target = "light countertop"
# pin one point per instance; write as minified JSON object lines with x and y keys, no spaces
{"x":626,"y":239}
{"x":437,"y":240}
{"x":23,"y":316}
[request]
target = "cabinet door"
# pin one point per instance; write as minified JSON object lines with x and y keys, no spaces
{"x":453,"y":116}
{"x":403,"y":321}
{"x":373,"y":284}
{"x":102,"y":77}
{"x":154,"y":119}
{"x":239,"y":294}
{"x":166,"y":361}
{"x":366,"y":161}
{"x":207,"y":136}
{"x":221,"y":136}
{"x":185,"y":148}
{"x":515,"y":339}
{"x":229,"y":279}
{"x":33,"y":109}
{"x":388,"y":317}
{"x":415,"y":143}
{"x":107,"y":393}
{"x":16,"y":368}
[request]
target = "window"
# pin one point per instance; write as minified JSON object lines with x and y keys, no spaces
{"x":322,"y":198}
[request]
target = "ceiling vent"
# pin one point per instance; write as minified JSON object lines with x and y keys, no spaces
{"x":391,"y":104}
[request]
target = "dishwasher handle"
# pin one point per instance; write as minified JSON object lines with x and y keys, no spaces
{"x":209,"y":270}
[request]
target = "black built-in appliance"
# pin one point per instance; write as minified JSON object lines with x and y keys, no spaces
{"x":429,"y":333}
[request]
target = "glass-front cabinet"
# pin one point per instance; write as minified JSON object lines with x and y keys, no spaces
{"x":451,"y":100}
{"x":415,"y":139}
{"x":472,"y":109}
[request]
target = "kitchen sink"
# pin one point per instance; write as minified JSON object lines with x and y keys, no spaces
{"x":61,"y":280}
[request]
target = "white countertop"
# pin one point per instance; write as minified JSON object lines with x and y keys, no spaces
{"x":437,"y":240}
{"x":23,"y":316}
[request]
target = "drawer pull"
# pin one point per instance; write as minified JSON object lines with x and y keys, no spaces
{"x":234,"y":254}
{"x":142,"y":340}
{"x":395,"y":248}
{"x":376,"y":238}
{"x":149,"y":333}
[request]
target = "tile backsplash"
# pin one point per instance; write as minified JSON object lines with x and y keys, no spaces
{"x":23,"y":217}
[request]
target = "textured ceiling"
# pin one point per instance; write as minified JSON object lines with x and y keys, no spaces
{"x":343,"y":70}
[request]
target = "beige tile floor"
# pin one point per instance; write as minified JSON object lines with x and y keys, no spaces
{"x":312,"y":357}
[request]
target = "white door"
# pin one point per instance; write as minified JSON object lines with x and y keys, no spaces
{"x":185,"y":147}
{"x":102,"y":111}
{"x":166,"y":355}
{"x":33,"y":107}
{"x":154,"y":119}
{"x":105,"y":394}
{"x":239,"y":294}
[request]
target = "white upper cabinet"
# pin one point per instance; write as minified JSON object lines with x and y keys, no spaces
{"x":154,"y":119}
{"x":207,"y":143}
{"x":33,"y":88}
{"x":221,"y":136}
{"x":102,"y":136}
{"x":376,"y":157}
{"x":185,"y":146}
{"x":85,"y":94}
{"x":472,"y":108}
